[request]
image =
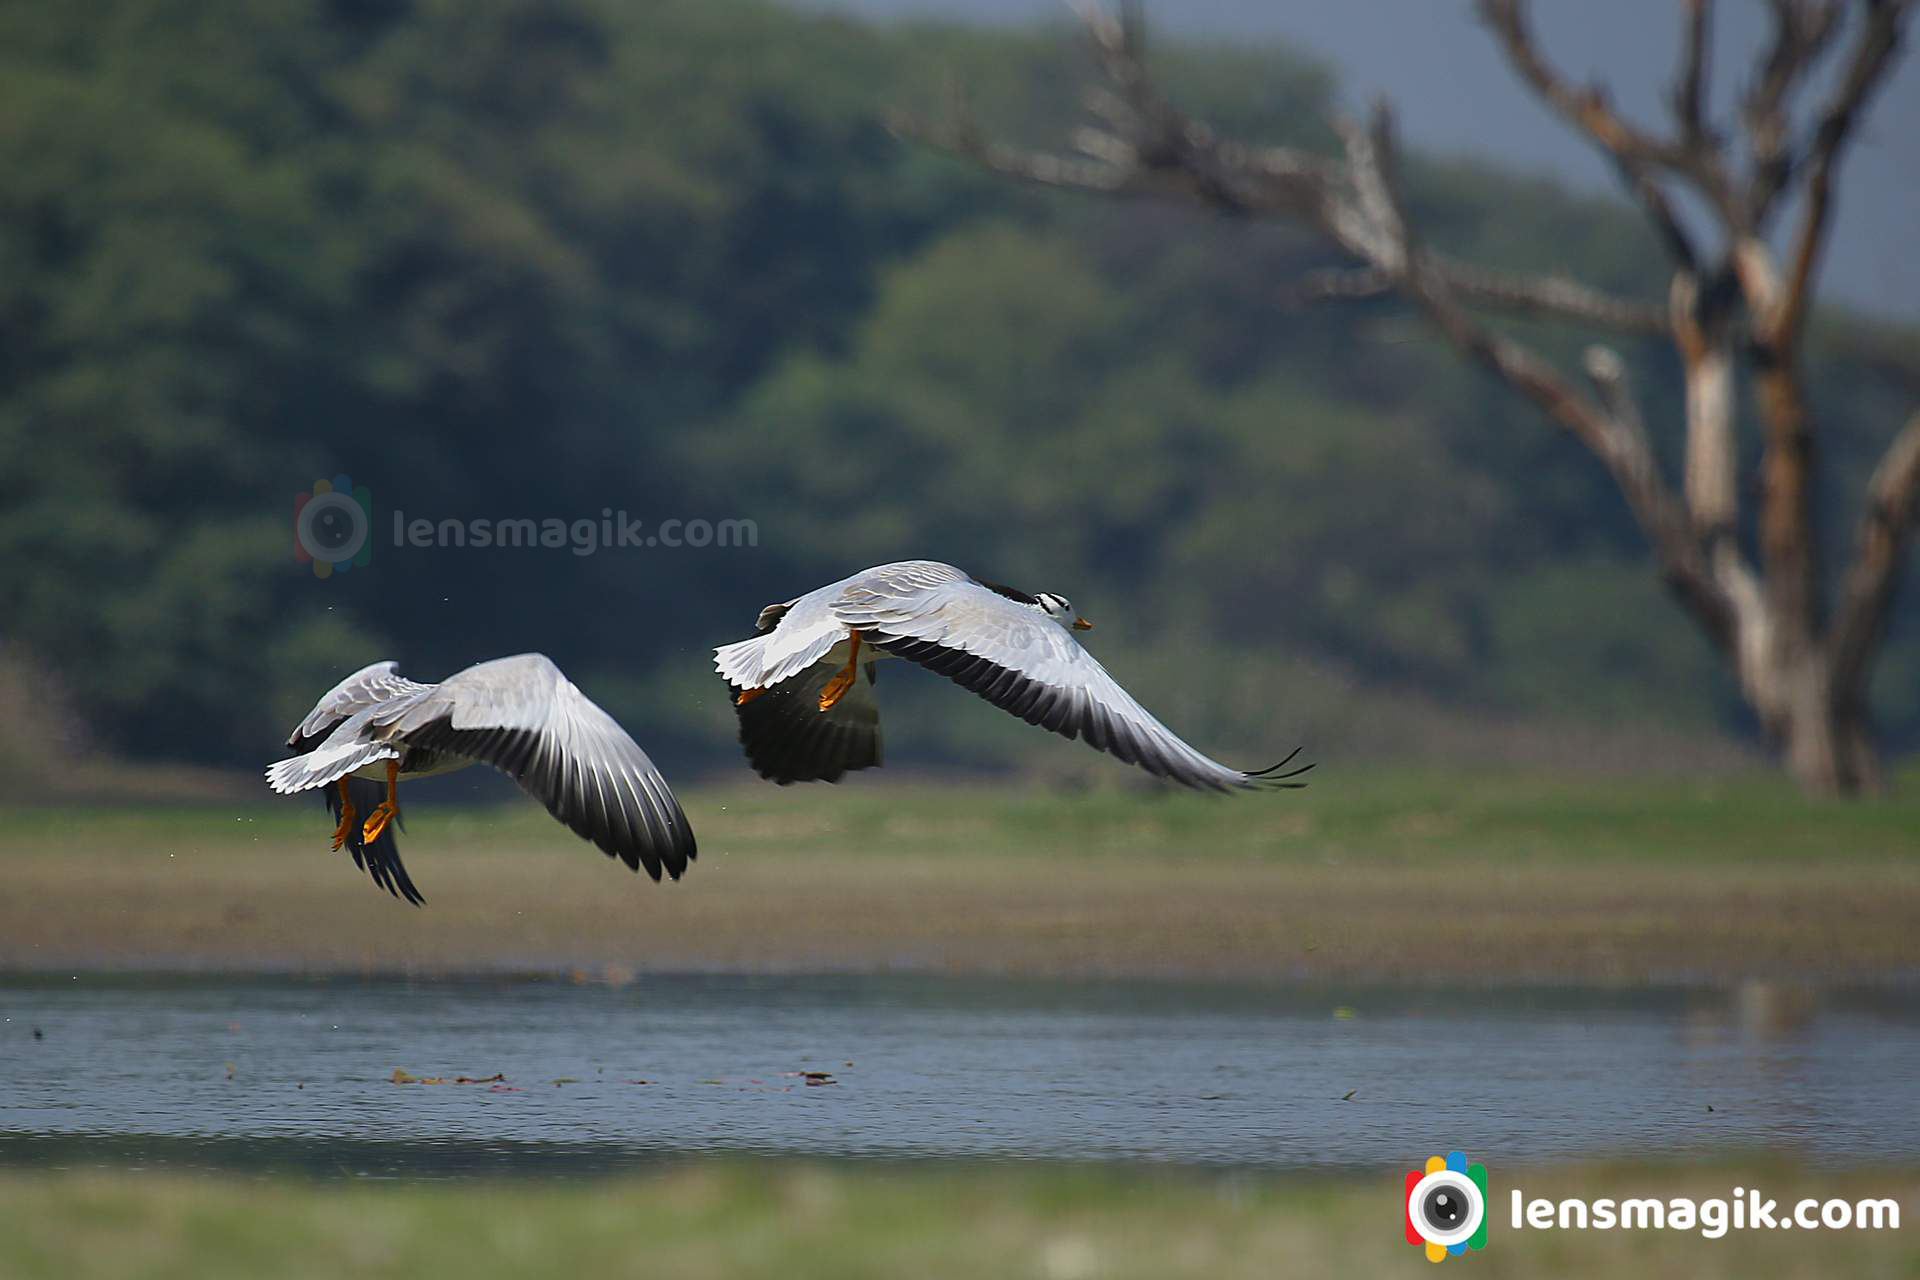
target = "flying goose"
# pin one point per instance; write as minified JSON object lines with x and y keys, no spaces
{"x":520,"y":715}
{"x":803,"y":686}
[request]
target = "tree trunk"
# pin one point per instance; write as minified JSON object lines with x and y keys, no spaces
{"x":1824,"y":737}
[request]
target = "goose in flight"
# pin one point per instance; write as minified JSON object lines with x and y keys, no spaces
{"x":519,"y":715}
{"x":803,"y":686}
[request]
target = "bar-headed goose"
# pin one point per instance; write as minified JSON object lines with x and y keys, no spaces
{"x":519,"y":715}
{"x":803,"y":685}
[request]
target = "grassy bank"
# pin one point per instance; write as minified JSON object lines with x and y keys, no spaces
{"x":1377,"y":876}
{"x":797,"y":1221}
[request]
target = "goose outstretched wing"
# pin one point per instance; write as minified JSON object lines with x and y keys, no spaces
{"x":789,"y":739}
{"x":366,"y":688}
{"x":1026,"y":664}
{"x":526,"y":719}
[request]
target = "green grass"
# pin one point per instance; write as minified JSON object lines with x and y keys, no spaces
{"x":1367,"y":812}
{"x":795,"y":1221}
{"x":1372,"y":875}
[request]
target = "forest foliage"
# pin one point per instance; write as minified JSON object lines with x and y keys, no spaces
{"x":540,"y":258}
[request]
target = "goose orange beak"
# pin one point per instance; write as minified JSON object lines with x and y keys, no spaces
{"x":1081,"y":624}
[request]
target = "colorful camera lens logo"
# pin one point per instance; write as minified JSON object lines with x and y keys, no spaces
{"x":333,"y":526}
{"x":1446,"y":1206}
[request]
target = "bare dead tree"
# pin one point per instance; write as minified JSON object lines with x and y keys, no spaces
{"x":1734,"y":306}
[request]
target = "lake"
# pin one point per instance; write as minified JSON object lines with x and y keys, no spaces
{"x":215,"y":1072}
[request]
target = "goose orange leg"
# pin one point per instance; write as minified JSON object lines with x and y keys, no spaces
{"x":347,"y":815}
{"x":377,"y":820}
{"x":745,"y":696}
{"x":837,"y":687}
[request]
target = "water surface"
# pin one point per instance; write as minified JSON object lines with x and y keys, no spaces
{"x":218,"y":1071}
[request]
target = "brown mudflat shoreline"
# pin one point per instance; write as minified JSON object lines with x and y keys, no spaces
{"x":1434,"y":886}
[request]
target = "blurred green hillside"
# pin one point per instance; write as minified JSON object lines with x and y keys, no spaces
{"x":540,"y":258}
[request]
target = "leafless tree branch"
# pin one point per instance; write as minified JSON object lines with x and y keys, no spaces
{"x":1587,"y":109}
{"x":1540,"y":297}
{"x":1554,"y":295}
{"x":1689,"y":98}
{"x":1802,"y":30}
{"x":1638,"y":154}
{"x":1184,"y":158}
{"x":1879,"y":553}
{"x":1608,"y":374}
{"x":1343,"y":283}
{"x":1866,"y":69}
{"x":1742,"y":633}
{"x":1039,"y":167}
